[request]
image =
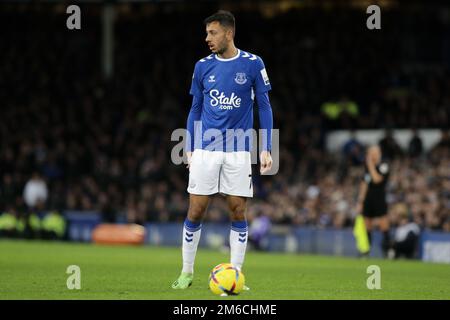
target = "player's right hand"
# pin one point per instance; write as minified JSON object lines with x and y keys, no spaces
{"x":189,"y":157}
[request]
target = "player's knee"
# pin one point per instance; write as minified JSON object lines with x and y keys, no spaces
{"x":238,"y":217}
{"x":238,"y":213}
{"x":196,"y":212}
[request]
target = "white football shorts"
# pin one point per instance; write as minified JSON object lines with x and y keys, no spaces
{"x":213,"y":172}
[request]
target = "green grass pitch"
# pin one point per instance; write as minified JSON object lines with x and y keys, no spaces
{"x":37,"y":270}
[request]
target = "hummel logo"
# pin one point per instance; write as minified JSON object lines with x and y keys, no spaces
{"x":242,"y":236}
{"x":189,"y":237}
{"x":211,"y":78}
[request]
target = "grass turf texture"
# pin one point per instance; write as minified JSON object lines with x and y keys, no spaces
{"x":37,"y":270}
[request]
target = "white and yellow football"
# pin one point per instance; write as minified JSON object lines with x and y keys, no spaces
{"x":226,"y":279}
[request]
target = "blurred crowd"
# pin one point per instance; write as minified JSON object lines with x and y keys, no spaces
{"x":98,"y":144}
{"x":419,"y":186}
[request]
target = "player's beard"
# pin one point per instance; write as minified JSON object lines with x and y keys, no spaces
{"x":221,"y":49}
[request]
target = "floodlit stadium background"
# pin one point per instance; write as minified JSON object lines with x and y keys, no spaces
{"x":93,"y":110}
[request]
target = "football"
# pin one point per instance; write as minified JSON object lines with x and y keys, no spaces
{"x":225,"y":279}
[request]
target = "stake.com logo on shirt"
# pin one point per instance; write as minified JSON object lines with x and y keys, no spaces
{"x":226,"y":103}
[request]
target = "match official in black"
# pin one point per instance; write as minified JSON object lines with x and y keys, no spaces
{"x":372,"y":196}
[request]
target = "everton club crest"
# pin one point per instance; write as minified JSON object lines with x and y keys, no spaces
{"x":240,"y":78}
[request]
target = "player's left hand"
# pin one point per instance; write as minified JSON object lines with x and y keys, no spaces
{"x":266,"y":161}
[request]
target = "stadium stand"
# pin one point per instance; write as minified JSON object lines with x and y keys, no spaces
{"x":104,"y":145}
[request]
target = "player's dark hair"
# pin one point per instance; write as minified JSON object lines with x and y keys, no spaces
{"x":225,"y":18}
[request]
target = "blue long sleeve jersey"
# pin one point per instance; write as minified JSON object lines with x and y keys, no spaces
{"x":224,"y":92}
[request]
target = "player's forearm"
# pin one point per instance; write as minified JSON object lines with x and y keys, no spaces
{"x":265,"y":118}
{"x":194,"y":115}
{"x":362,"y":192}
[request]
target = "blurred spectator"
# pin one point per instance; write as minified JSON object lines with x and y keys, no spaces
{"x":415,"y":147}
{"x":353,"y":150}
{"x":340,"y":114}
{"x":444,"y":143}
{"x":389,"y":146}
{"x":259,"y":229}
{"x":109,"y":214}
{"x":36,"y":192}
{"x":8,"y":224}
{"x":407,"y":234}
{"x":53,"y":226}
